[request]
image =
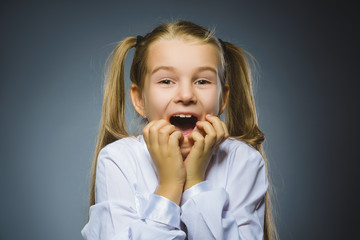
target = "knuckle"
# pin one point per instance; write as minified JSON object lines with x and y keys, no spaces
{"x":145,"y":132}
{"x":212,"y":135}
{"x":171,"y":127}
{"x":163,"y":131}
{"x":176,"y":134}
{"x":152,"y":130}
{"x":172,"y":137}
{"x":208,"y":124}
{"x":198,"y":136}
{"x":201,"y":140}
{"x":162,"y":121}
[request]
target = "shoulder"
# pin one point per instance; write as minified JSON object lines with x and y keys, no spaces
{"x":232,"y":145}
{"x":123,"y":146}
{"x":124,"y":151}
{"x":239,"y":152}
{"x":236,"y":162}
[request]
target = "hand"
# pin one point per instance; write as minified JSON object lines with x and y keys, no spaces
{"x":212,"y":133}
{"x":162,"y":141}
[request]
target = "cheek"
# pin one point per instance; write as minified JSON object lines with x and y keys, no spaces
{"x":211,"y":102}
{"x":155,"y":103}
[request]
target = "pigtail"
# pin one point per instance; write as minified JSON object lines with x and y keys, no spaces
{"x":113,"y":122}
{"x":241,"y":117}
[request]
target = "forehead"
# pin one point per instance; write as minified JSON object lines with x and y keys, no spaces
{"x":182,"y":54}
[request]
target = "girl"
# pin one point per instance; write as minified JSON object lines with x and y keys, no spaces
{"x":184,"y":178}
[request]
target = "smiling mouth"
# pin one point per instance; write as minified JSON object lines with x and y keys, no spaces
{"x":184,"y":123}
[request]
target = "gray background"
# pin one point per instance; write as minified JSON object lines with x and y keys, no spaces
{"x":52,"y":64}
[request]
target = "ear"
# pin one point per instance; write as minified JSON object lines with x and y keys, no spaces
{"x":224,"y":98}
{"x":137,"y":99}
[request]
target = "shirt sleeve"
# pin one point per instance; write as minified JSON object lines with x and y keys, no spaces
{"x":120,"y":214}
{"x":233,"y":212}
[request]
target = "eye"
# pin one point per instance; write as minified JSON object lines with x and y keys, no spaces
{"x":166,"y":81}
{"x":202,"y":82}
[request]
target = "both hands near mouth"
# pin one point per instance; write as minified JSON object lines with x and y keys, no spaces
{"x":181,"y":159}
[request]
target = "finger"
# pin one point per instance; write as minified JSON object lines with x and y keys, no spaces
{"x":210,"y":137}
{"x":164,"y":133}
{"x":218,"y":126}
{"x":146,"y":132}
{"x":174,"y":139}
{"x":199,"y":140}
{"x":199,"y":128}
{"x":226,"y":130}
{"x":154,"y":132}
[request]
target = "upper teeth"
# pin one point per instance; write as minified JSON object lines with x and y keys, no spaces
{"x":183,"y":115}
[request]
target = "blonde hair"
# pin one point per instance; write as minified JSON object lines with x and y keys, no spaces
{"x":240,"y":112}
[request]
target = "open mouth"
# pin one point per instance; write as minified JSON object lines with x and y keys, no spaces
{"x":184,"y":122}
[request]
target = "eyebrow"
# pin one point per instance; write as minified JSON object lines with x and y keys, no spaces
{"x":172,"y":69}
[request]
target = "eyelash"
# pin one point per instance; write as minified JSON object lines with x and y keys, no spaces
{"x":168,"y":81}
{"x":204,"y":81}
{"x":198,"y":82}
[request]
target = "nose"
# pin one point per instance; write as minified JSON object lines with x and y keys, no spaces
{"x":185,"y":93}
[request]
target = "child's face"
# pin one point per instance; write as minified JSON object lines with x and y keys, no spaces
{"x":182,"y":78}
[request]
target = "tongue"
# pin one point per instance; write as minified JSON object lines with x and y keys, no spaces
{"x":185,"y":129}
{"x":186,"y":132}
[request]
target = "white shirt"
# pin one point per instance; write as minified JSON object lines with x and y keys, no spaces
{"x":228,"y":205}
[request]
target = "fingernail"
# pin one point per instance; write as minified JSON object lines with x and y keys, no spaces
{"x":208,"y":115}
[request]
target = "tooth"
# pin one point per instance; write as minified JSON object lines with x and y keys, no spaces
{"x":182,"y":115}
{"x":188,"y":116}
